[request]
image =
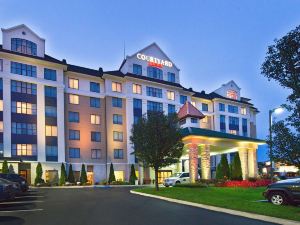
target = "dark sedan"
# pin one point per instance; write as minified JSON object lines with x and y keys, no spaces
{"x":16,"y":178}
{"x":6,"y":191}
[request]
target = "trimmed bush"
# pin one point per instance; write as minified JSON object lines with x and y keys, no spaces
{"x":39,"y":173}
{"x":236,"y":173}
{"x":247,"y":183}
{"x":11,"y":169}
{"x":112,"y":177}
{"x":63,"y":175}
{"x":223,"y":171}
{"x":83,"y":176}
{"x":133,"y":176}
{"x":71,"y":177}
{"x":5,"y":167}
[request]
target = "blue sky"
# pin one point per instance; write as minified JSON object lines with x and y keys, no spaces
{"x":212,"y":42}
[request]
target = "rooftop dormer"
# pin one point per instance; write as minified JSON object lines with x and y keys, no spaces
{"x":189,"y":116}
{"x":230,"y":90}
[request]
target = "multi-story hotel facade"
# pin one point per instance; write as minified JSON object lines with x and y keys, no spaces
{"x":54,"y":112}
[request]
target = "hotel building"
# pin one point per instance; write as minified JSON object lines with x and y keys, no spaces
{"x":54,"y":112}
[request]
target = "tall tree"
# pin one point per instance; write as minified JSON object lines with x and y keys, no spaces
{"x":157,"y":141}
{"x":236,"y":171}
{"x":39,"y":173}
{"x":282,"y":64}
{"x":111,"y":177}
{"x":71,"y":177}
{"x":132,"y":177}
{"x":63,"y":175}
{"x":11,"y":169}
{"x":83,"y":176}
{"x":5,"y":167}
{"x":223,"y":171}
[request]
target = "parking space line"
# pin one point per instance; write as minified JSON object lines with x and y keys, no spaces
{"x":30,"y":196}
{"x":21,"y":210}
{"x":7,"y":203}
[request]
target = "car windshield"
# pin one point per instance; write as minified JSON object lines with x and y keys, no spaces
{"x":176,"y":175}
{"x":4,"y":181}
{"x":296,"y":180}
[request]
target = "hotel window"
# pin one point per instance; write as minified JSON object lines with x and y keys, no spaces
{"x":171,"y":77}
{"x":221,"y":107}
{"x":1,"y":126}
{"x":117,"y":102}
{"x":1,"y":149}
{"x":171,"y":109}
{"x":51,"y":150}
{"x":50,"y":111}
{"x":118,"y":153}
{"x":50,"y":92}
{"x":244,"y":127}
{"x":154,"y":92}
{"x":243,"y":110}
{"x":95,"y":136}
{"x":222,"y":124}
{"x":232,"y":94}
{"x":116,"y":87}
{"x":183,"y":99}
{"x":24,"y":149}
{"x":136,"y":89}
{"x":233,"y":125}
{"x":23,"y":108}
{"x":94,"y":87}
{"x":51,"y":131}
{"x":182,"y":122}
{"x":23,"y":69}
{"x":23,"y":128}
{"x":49,"y":74}
{"x":74,"y":152}
{"x":118,"y":136}
{"x":95,"y":119}
{"x":233,"y":109}
{"x":95,"y":153}
{"x":1,"y":64}
{"x":73,"y":83}
{"x":137,"y":69}
{"x":73,"y":117}
{"x":154,"y":106}
{"x":23,"y":46}
{"x":154,"y":72}
{"x":204,"y":107}
{"x":74,"y":135}
{"x":171,"y":95}
{"x":117,"y":119}
{"x":94,"y":102}
{"x":1,"y":105}
{"x":1,"y":84}
{"x":73,"y":99}
{"x":194,"y":120}
{"x":23,"y":87}
{"x":137,"y":110}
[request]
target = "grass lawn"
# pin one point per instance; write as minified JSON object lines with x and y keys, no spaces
{"x":242,"y":199}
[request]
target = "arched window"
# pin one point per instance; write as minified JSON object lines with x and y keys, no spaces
{"x":232,"y":94}
{"x":23,"y":46}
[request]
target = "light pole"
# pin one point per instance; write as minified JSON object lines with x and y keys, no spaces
{"x":277,"y":110}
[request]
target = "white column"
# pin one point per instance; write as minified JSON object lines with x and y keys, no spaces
{"x":193,"y":162}
{"x":41,"y":139}
{"x":243,"y":153}
{"x":252,"y":162}
{"x":6,"y":117}
{"x":141,"y":174}
{"x":205,"y":162}
{"x":61,"y":125}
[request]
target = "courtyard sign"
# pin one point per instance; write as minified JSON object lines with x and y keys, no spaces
{"x":152,"y":61}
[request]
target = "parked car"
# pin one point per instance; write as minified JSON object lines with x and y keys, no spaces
{"x":15,"y":186}
{"x":177,"y":178}
{"x":16,"y":178}
{"x":6,"y":191}
{"x":284,"y":192}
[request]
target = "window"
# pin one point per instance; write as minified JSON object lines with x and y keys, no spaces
{"x":233,"y":109}
{"x":73,"y":83}
{"x":95,"y":153}
{"x":1,"y":149}
{"x":154,"y":72}
{"x":154,"y":106}
{"x":73,"y":117}
{"x":171,"y":109}
{"x":74,"y":152}
{"x":117,"y":119}
{"x":23,"y":87}
{"x":49,"y":74}
{"x":94,"y":102}
{"x":23,"y":108}
{"x":154,"y":92}
{"x":244,"y":127}
{"x":222,"y":124}
{"x":94,"y":87}
{"x":24,"y":149}
{"x":233,"y":132}
{"x":1,"y":64}
{"x":51,"y":150}
{"x":222,"y":107}
{"x":50,"y":91}
{"x":1,"y":84}
{"x":182,"y":122}
{"x":171,"y":95}
{"x":23,"y":69}
{"x":51,"y":131}
{"x":232,"y":94}
{"x":233,"y":125}
{"x":74,"y":135}
{"x":194,"y":120}
{"x":95,"y":119}
{"x":118,"y":136}
{"x":118,"y":154}
{"x":23,"y":46}
{"x":183,"y":99}
{"x":116,"y":87}
{"x":137,"y":69}
{"x":73,"y":99}
{"x":95,"y":136}
{"x":117,"y":102}
{"x":243,"y":110}
{"x":50,"y":111}
{"x":136,"y":89}
{"x":137,"y":110}
{"x":1,"y":126}
{"x":1,"y":105}
{"x":204,"y":107}
{"x":171,"y":77}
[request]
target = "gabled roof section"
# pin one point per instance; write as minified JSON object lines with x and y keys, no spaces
{"x":230,"y":82}
{"x":20,"y":27}
{"x":188,"y":110}
{"x":84,"y":70}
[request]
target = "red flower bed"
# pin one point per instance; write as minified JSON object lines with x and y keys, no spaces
{"x":246,"y":183}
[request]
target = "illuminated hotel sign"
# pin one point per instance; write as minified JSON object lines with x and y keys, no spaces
{"x":152,"y":61}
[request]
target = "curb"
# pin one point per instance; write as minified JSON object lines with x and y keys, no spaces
{"x":89,"y":186}
{"x":223,"y":210}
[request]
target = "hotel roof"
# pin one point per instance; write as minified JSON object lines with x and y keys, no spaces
{"x":188,"y":110}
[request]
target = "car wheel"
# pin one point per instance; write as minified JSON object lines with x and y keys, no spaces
{"x":278,"y":198}
{"x":177,"y":182}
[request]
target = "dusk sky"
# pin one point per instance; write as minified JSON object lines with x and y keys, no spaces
{"x":212,"y":42}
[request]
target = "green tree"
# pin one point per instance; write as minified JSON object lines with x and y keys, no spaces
{"x":63,"y":175}
{"x":5,"y":167}
{"x":71,"y":177}
{"x":236,"y":173}
{"x":83,"y":176}
{"x":219,"y":172}
{"x":112,"y":177}
{"x":39,"y":173}
{"x":11,"y":169}
{"x":223,"y":171}
{"x":157,"y":141}
{"x":133,"y":176}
